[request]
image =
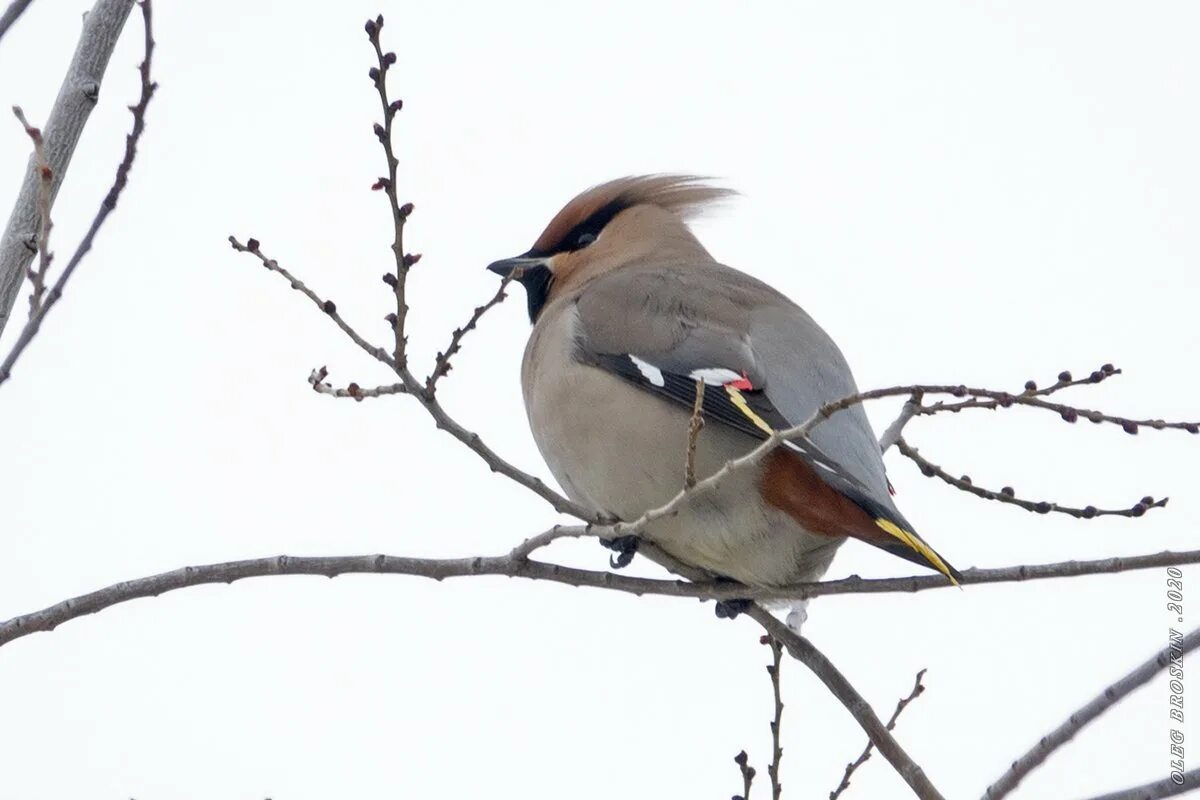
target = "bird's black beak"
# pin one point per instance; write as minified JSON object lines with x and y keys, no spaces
{"x":531,"y":272}
{"x":520,"y":267}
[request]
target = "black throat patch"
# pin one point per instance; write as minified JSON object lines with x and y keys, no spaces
{"x":536,"y":281}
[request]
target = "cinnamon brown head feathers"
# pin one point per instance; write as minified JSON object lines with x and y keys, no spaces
{"x":608,"y":226}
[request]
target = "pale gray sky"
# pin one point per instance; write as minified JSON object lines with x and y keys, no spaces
{"x":974,"y":192}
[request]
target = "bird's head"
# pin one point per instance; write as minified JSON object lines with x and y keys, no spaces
{"x":635,"y":220}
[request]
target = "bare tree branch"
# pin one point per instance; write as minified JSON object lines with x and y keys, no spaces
{"x":1008,"y":496}
{"x":106,"y":207}
{"x":14,"y":10}
{"x":45,"y":188}
{"x":400,"y":213}
{"x":695,"y":424}
{"x":316,"y":379}
{"x":1153,"y":791}
{"x":776,"y":723}
{"x":442,"y":363}
{"x":917,"y":689}
{"x":1089,"y":712}
{"x":517,"y":564}
{"x":803,"y":650}
{"x":77,"y":97}
{"x":907,"y":412}
{"x":1064,"y":381}
{"x":748,"y":773}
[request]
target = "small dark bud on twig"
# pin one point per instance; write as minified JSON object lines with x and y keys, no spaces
{"x":1129,"y":427}
{"x":1096,"y":417}
{"x":396,"y":106}
{"x":329,"y":307}
{"x":1108,"y":369}
{"x":928,"y":471}
{"x":389,"y":279}
{"x":1030,"y":386}
{"x":1147,"y":500}
{"x":1070,"y":414}
{"x":1138,"y":510}
{"x":1089,"y":512}
{"x":252,"y":244}
{"x":379,"y":21}
{"x":959,"y":391}
{"x":966,"y":479}
{"x":1005,"y":401}
{"x":380,"y":132}
{"x":391,"y":320}
{"x":1192,"y":427}
{"x":1042,"y":508}
{"x":389,"y":59}
{"x":371,"y":28}
{"x":1064,"y":376}
{"x":373,"y":74}
{"x":406,"y":209}
{"x":411,"y":258}
{"x":740,"y":759}
{"x":382,"y":183}
{"x":1007,"y":491}
{"x":1096,"y":376}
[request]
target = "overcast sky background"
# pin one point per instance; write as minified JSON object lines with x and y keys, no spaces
{"x":959,"y":192}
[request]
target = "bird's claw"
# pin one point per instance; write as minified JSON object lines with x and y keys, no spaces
{"x":729,"y":609}
{"x":625,"y":548}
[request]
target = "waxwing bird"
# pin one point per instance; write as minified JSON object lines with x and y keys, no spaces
{"x":629,"y":312}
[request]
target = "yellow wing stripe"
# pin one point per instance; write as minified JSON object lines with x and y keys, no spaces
{"x":914,"y":541}
{"x":736,"y":397}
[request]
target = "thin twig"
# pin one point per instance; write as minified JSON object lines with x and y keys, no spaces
{"x":917,"y":689}
{"x":748,"y":773}
{"x":1167,"y":787}
{"x":527,"y":547}
{"x":777,"y":722}
{"x":695,"y":424}
{"x":442,"y":364}
{"x":400,"y":213}
{"x":1008,"y":496}
{"x":803,"y":650}
{"x":1088,"y":712}
{"x":316,"y":379}
{"x":907,"y":412}
{"x":45,"y":190}
{"x":516,"y":565}
{"x":327,"y":306}
{"x":34,"y":324}
{"x":1064,"y":381}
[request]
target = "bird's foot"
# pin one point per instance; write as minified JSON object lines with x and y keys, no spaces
{"x":729,"y":609}
{"x":624,"y":547}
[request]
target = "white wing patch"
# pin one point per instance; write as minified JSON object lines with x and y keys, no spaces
{"x":715,"y":376}
{"x":649,"y":371}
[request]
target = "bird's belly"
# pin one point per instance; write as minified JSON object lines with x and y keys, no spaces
{"x":625,"y":461}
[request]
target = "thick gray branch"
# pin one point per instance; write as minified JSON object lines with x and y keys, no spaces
{"x":11,"y":14}
{"x":1158,"y":789}
{"x":1093,"y":709}
{"x":77,"y":97}
{"x":516,"y":564}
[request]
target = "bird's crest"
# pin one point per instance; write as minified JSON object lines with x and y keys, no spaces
{"x":591,"y":210}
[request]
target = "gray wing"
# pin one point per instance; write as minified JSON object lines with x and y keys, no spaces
{"x":707,"y":316}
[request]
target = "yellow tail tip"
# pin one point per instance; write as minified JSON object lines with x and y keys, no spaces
{"x":917,"y":544}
